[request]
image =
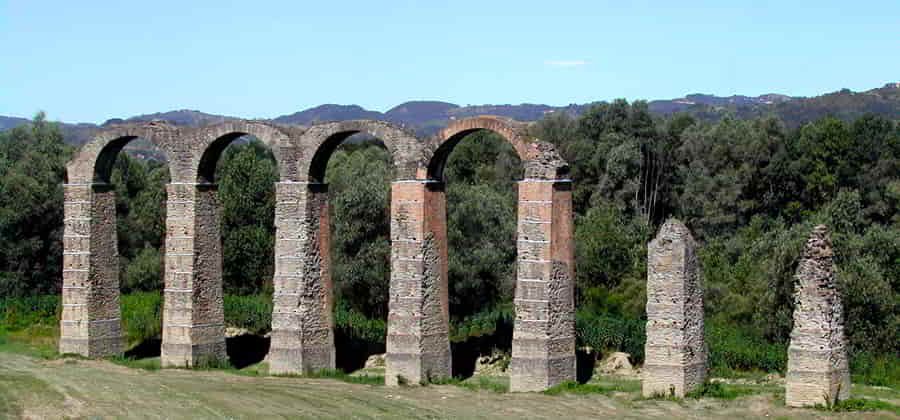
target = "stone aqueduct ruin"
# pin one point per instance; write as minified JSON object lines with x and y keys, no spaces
{"x":418,"y":346}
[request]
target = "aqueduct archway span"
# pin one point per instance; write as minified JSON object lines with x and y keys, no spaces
{"x":91,"y":316}
{"x":193,"y":314}
{"x":302,"y":324}
{"x":418,"y":347}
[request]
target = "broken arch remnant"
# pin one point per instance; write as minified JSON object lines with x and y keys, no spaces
{"x":418,"y":346}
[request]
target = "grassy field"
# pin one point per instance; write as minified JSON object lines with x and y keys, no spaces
{"x":35,"y":383}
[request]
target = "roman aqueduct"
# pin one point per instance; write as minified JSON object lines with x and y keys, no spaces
{"x":418,"y":345}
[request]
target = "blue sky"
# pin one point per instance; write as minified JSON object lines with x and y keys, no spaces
{"x":89,"y":60}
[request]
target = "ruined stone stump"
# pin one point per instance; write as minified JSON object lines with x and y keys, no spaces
{"x":193,"y":310}
{"x":675,"y":350}
{"x":418,"y":344}
{"x":91,"y":323}
{"x":543,"y":347}
{"x":302,"y":324}
{"x":817,"y":371}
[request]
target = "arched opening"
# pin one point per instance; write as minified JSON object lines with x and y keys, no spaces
{"x":113,"y":262}
{"x":480,"y":170}
{"x":358,"y":174}
{"x":543,"y":336}
{"x":238,"y":172}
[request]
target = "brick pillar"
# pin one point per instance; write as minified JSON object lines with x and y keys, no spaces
{"x":302,"y":321}
{"x":193,"y":312}
{"x":675,"y":350}
{"x":91,"y":320}
{"x":817,"y":371}
{"x":418,"y":344}
{"x":543,"y":348}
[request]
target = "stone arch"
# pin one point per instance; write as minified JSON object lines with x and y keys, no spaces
{"x":302,"y":324}
{"x":206,"y":145}
{"x":91,"y":316}
{"x":539,"y":158}
{"x":94,"y":160}
{"x":193,"y":314}
{"x":543,"y":352}
{"x":321,"y":140}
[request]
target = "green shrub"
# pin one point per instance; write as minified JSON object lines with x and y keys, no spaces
{"x":251,"y":312}
{"x":878,"y":370}
{"x":354,"y":324}
{"x":484,"y":323}
{"x":731,"y":349}
{"x":18,"y":313}
{"x":141,"y":316}
{"x":605,"y":332}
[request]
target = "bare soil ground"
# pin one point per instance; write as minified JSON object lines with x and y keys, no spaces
{"x":32,"y":387}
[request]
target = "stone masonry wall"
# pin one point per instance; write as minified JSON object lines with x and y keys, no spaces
{"x":302,"y":324}
{"x":675,"y":350}
{"x":418,"y":344}
{"x":817,"y":357}
{"x":193,"y":310}
{"x":91,"y":320}
{"x":543,"y":352}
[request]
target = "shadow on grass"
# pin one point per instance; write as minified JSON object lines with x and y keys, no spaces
{"x":351,"y":352}
{"x":245,"y":350}
{"x":146,"y":349}
{"x":584,"y":366}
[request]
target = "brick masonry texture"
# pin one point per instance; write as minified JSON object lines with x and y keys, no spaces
{"x":818,"y":371}
{"x":675,"y":351}
{"x":302,"y":338}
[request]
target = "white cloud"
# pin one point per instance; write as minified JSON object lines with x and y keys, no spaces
{"x":565,"y":63}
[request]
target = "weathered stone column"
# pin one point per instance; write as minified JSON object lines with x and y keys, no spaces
{"x":193,"y":311}
{"x":91,"y":320}
{"x":817,"y":370}
{"x":543,"y":348}
{"x":302,"y":324}
{"x":418,"y":344}
{"x":675,"y":350}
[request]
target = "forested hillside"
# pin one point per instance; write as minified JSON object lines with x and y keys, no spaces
{"x":750,"y":190}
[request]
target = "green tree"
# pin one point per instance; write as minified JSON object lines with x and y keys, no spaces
{"x":32,"y":170}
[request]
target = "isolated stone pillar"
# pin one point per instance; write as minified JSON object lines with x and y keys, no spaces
{"x":418,"y":344}
{"x":675,"y":350}
{"x":302,"y":324}
{"x":817,"y":371}
{"x":543,"y":347}
{"x":91,"y":320}
{"x":193,"y":311}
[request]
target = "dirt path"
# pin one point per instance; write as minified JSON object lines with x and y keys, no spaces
{"x":35,"y":388}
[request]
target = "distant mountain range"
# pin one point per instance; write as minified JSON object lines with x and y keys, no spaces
{"x":427,"y":117}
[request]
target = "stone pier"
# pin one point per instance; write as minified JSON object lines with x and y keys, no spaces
{"x":543,"y":347}
{"x":91,"y":323}
{"x":302,"y":322}
{"x":418,"y":344}
{"x":817,"y":371}
{"x":193,"y":310}
{"x":675,"y":350}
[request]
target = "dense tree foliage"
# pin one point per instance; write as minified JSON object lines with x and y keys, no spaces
{"x":750,"y":190}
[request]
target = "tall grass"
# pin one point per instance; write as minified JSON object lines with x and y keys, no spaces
{"x":732,"y":350}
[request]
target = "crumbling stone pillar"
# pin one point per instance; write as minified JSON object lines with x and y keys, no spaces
{"x":302,"y":324}
{"x":675,"y":350}
{"x":418,"y":344}
{"x":817,"y":370}
{"x":193,"y":311}
{"x":543,"y":348}
{"x":91,"y":320}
